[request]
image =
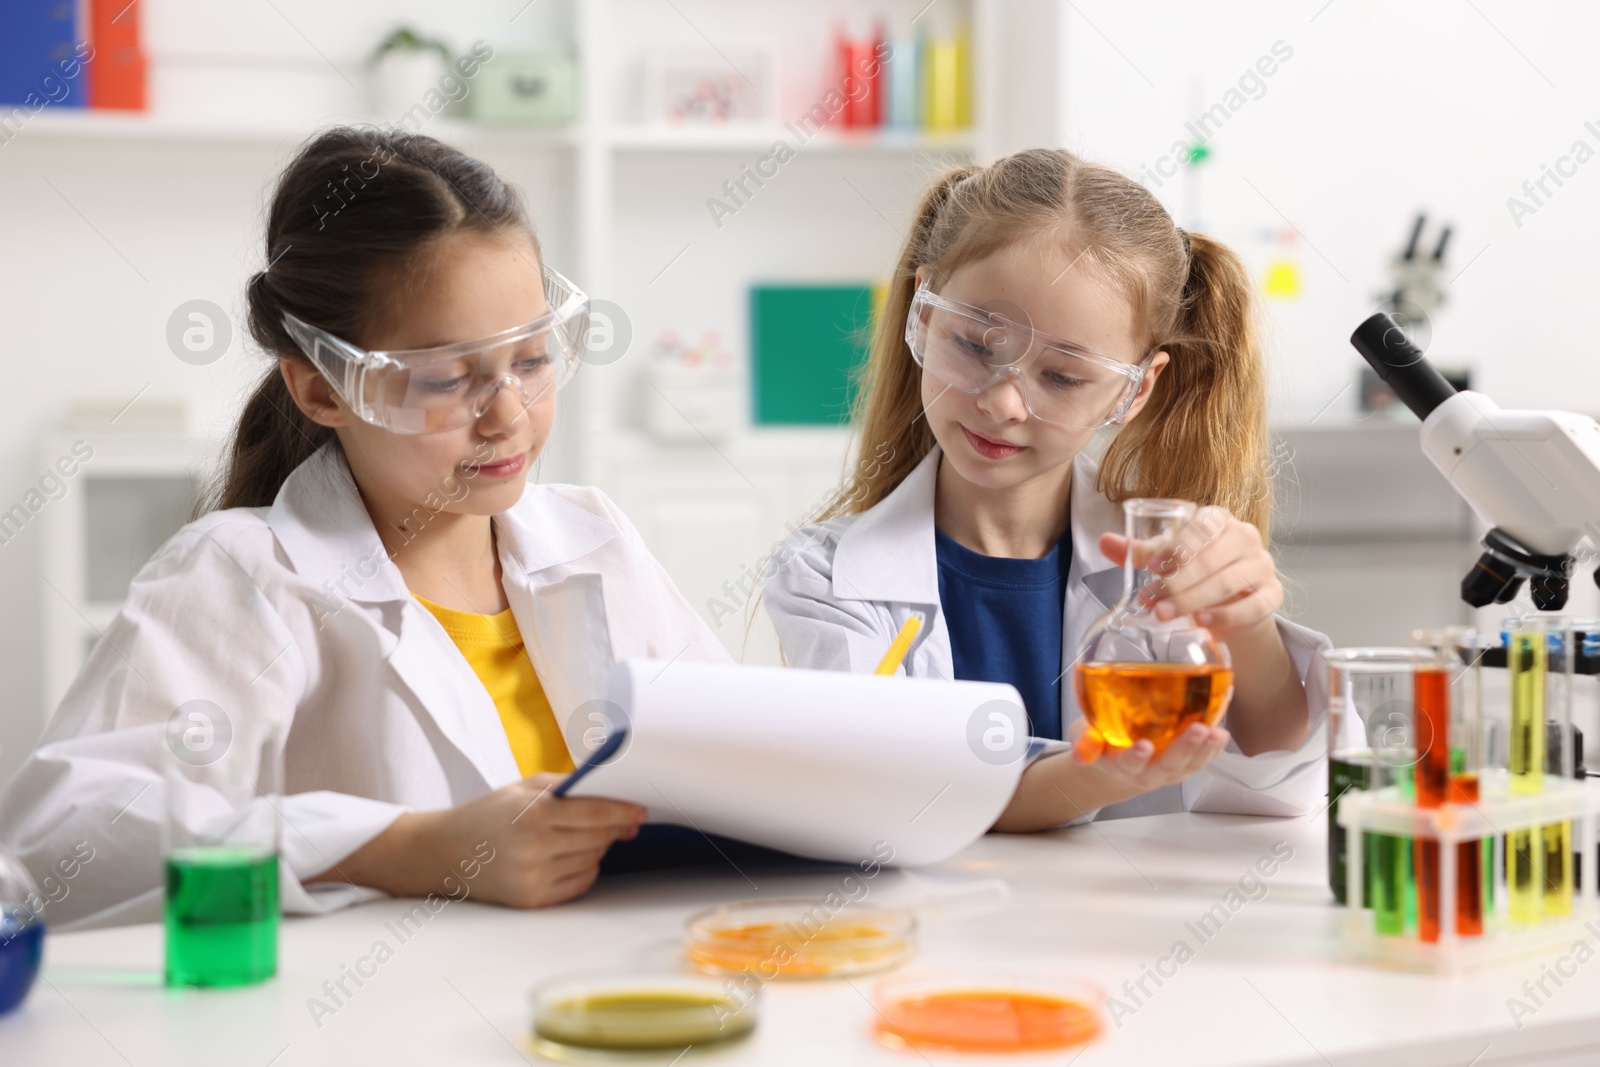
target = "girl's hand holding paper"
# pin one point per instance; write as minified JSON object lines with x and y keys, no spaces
{"x":545,"y":849}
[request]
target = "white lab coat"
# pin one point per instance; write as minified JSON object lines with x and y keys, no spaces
{"x":845,"y":586}
{"x":381,"y":712}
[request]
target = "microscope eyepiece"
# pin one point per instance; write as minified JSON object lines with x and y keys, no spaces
{"x":1401,"y":365}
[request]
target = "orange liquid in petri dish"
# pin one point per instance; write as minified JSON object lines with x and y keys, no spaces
{"x":1128,"y":702}
{"x":832,"y":949}
{"x":986,"y":1020}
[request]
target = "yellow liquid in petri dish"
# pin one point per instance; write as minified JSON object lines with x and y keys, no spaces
{"x":799,"y":939}
{"x":831,"y":951}
{"x":641,"y":1020}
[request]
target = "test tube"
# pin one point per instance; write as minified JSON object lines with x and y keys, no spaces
{"x":1527,"y":661}
{"x":1432,"y":778}
{"x":1556,"y":838}
{"x":1370,"y":747}
{"x":1464,"y":652}
{"x":1403,"y":853}
{"x":1442,"y":698}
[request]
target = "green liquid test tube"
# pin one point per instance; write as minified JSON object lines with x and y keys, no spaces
{"x":1488,"y":876}
{"x":1389,"y":886}
{"x":221,"y":916}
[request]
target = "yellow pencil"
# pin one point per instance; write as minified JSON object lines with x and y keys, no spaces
{"x":902,"y":641}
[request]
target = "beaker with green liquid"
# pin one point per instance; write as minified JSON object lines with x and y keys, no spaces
{"x":1371,"y":745}
{"x":224,"y":782}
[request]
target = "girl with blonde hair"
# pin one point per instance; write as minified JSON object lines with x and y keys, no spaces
{"x":1039,"y":301}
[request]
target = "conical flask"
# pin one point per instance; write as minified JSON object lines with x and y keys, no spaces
{"x":1138,"y":677}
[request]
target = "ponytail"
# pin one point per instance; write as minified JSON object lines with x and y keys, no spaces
{"x":1202,"y":435}
{"x":272,"y":438}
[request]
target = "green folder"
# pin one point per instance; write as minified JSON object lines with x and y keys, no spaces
{"x":807,"y":344}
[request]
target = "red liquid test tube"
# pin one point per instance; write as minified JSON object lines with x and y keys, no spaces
{"x":1431,"y":691}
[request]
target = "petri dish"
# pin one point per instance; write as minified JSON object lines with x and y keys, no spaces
{"x":800,"y":938}
{"x":631,"y":1015}
{"x":986,"y":1010}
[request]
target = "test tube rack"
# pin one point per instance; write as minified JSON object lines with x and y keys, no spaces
{"x":1498,"y":812}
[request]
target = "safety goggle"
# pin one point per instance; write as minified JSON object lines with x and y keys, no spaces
{"x":429,"y":390}
{"x":971,"y":349}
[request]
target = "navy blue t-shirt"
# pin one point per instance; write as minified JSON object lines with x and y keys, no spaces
{"x":1004,"y":617}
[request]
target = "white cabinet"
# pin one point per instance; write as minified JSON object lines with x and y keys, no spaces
{"x":126,"y":495}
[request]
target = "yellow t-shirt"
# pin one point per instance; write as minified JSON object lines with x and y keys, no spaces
{"x":492,"y":645}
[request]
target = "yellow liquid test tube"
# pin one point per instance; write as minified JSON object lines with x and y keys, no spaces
{"x":1526,"y":659}
{"x":1557,"y":841}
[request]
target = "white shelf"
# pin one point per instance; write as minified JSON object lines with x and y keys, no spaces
{"x":89,"y":124}
{"x":741,"y":138}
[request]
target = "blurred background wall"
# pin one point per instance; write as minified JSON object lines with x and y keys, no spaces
{"x":1310,"y":135}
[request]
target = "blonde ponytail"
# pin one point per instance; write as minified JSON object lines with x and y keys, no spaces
{"x":1203,"y":434}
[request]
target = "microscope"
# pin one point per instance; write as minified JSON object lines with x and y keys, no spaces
{"x":1534,"y":476}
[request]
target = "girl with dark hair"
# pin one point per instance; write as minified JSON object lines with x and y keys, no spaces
{"x":374,"y":573}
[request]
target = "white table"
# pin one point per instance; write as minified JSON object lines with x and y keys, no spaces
{"x":1101,"y":901}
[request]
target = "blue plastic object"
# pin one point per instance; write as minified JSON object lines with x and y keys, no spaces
{"x":21,"y":949}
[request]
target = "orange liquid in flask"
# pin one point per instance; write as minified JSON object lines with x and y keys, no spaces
{"x":1128,"y":702}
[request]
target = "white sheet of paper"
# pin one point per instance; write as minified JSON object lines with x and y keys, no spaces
{"x":824,"y":764}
